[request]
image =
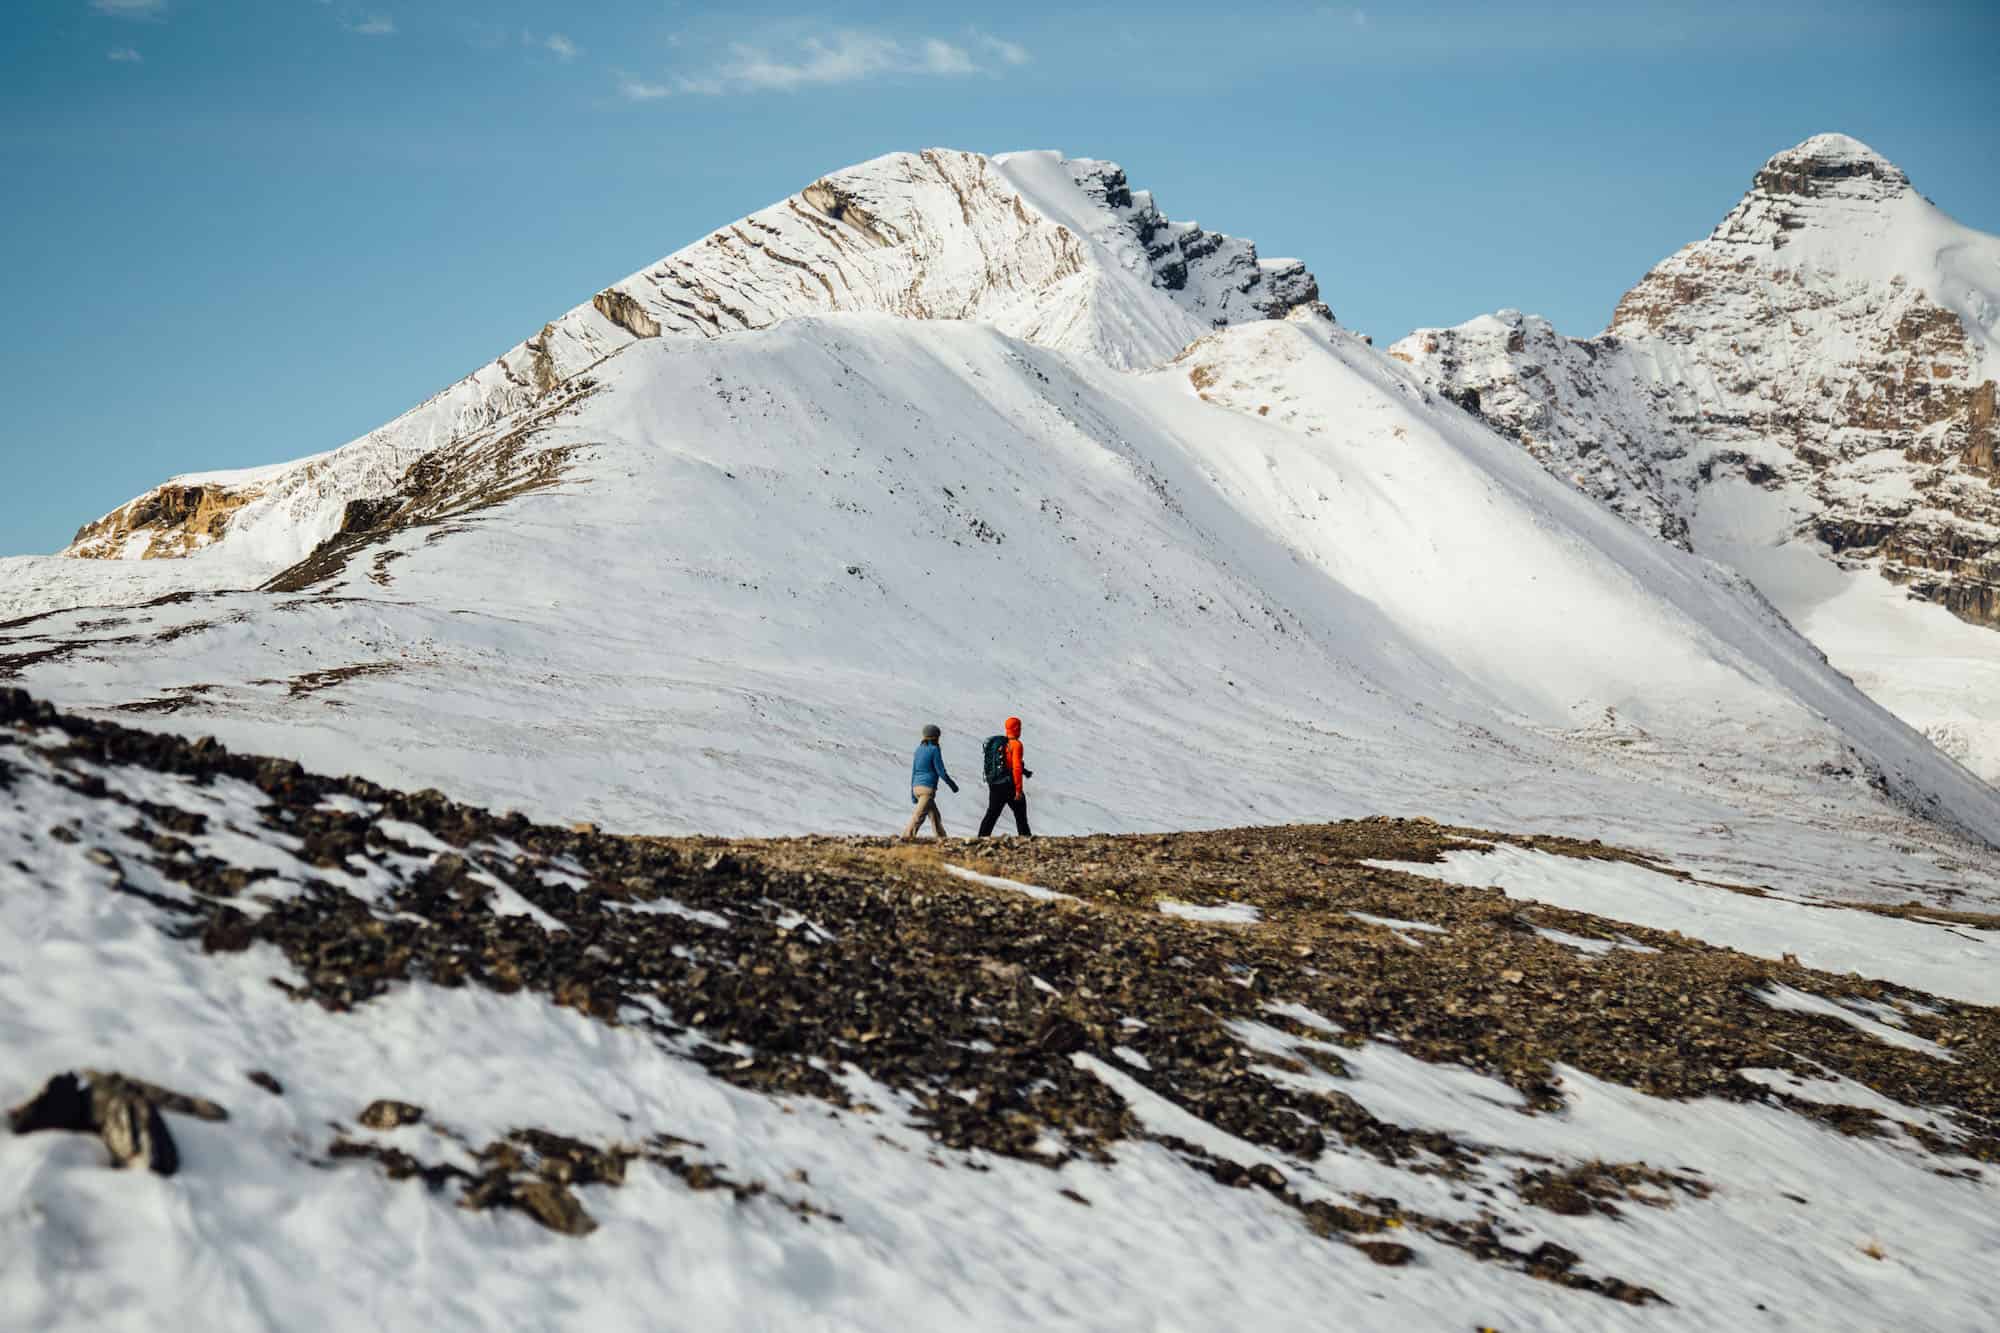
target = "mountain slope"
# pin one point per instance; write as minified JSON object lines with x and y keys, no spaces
{"x":768,"y":556}
{"x":1807,"y":395}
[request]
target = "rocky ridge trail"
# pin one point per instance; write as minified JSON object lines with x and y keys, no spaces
{"x":1230,"y":997}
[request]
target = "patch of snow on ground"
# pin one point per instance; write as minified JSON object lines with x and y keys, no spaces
{"x":1915,"y":954}
{"x":503,"y":900}
{"x":1780,"y":996}
{"x":1594,"y":947}
{"x":1393,"y":924}
{"x":1229,"y":914}
{"x":1400,"y":929}
{"x":996,"y":882}
{"x":668,"y":907}
{"x":415,"y":835}
{"x":341,"y":803}
{"x":1793,"y":1202}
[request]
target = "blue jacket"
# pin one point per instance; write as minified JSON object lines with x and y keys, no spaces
{"x":927,"y":769}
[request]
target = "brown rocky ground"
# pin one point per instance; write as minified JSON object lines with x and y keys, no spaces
{"x":978,"y":1002}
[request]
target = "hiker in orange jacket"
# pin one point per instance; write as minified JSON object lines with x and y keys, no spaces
{"x":1006,"y":777}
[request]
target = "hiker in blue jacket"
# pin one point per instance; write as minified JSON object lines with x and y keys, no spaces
{"x":926,"y":772}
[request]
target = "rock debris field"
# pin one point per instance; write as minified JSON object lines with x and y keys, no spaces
{"x":1394,"y":1063}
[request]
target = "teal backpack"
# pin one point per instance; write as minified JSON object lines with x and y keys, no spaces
{"x":997,"y":771}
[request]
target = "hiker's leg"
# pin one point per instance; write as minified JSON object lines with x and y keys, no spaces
{"x":925,"y":802}
{"x":937,"y":819}
{"x":996,"y":801}
{"x":1020,"y":804}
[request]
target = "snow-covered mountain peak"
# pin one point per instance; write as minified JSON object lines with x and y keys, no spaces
{"x":1824,"y":220}
{"x":1061,"y":252}
{"x":1832,"y":164}
{"x":1808,"y":393}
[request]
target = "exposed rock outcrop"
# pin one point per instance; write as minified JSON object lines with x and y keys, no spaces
{"x":176,"y":519}
{"x":626,"y":313}
{"x":1221,"y":275}
{"x":125,"y":1113}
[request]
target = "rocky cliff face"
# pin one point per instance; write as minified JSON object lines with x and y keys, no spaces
{"x":177,"y":519}
{"x":1833,"y":340}
{"x":1058,"y":251}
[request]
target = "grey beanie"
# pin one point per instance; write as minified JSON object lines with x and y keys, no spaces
{"x":931,"y":731}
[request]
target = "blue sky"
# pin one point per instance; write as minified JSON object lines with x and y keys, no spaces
{"x":238,"y":231}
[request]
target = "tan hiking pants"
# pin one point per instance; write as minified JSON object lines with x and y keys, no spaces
{"x":926,"y":805}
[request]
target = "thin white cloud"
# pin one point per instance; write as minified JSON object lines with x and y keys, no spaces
{"x":638,"y":90}
{"x":130,"y":9}
{"x":375,"y":25}
{"x":1010,"y":53}
{"x":125,"y":55}
{"x":555,"y":43}
{"x":843,"y":57}
{"x":944,"y":58}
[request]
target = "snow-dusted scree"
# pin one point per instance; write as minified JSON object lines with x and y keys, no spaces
{"x":458,"y":1079}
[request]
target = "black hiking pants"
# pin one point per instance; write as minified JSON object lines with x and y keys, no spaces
{"x":1000,"y":796}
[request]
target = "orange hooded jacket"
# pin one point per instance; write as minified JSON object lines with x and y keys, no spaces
{"x":1013,"y":730}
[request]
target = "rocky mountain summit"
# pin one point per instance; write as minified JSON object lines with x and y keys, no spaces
{"x":1818,"y":374}
{"x":1835,"y":339}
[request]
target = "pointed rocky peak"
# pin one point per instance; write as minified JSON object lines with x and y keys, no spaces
{"x":1831,"y":164}
{"x":1216,"y":276}
{"x":1830,"y":214}
{"x":1829,"y":185}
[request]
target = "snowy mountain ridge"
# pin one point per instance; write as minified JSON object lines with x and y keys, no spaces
{"x":1060,"y":252}
{"x":1807,"y":395}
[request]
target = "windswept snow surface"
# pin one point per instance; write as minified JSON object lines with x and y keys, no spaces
{"x":1933,"y":670}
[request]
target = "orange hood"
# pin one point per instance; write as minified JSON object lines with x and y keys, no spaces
{"x":1013,"y":728}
